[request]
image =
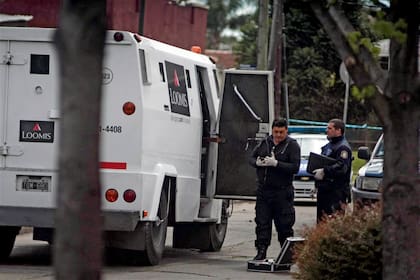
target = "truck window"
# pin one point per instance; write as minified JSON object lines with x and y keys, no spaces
{"x":40,"y":64}
{"x":143,"y":68}
{"x":380,"y":151}
{"x":187,"y":73}
{"x":162,"y":72}
{"x":217,"y":82}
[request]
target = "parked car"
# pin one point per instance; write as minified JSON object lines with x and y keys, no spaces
{"x":368,"y":183}
{"x":304,"y":182}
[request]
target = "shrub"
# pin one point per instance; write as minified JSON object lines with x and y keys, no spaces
{"x":342,"y":247}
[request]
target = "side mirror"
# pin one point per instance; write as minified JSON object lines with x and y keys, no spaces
{"x":363,"y":153}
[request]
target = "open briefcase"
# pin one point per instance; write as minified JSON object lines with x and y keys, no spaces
{"x":282,"y":263}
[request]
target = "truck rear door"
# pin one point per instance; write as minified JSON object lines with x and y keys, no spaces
{"x":29,"y":105}
{"x":247,"y":110}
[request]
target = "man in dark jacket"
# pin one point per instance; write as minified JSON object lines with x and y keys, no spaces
{"x":276,"y":159}
{"x":333,"y":181}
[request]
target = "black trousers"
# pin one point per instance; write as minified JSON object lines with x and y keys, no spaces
{"x":277,"y":205}
{"x":329,"y":202}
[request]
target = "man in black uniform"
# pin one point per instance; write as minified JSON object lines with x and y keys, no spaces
{"x":333,"y":182}
{"x":276,"y":159}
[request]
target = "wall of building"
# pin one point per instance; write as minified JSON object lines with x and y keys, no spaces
{"x":123,"y":15}
{"x":182,"y":26}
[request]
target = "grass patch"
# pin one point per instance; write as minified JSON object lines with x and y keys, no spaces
{"x":356,"y":164}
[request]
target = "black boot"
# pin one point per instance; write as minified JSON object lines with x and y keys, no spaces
{"x":261,"y":253}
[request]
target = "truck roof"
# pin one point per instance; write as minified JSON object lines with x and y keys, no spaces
{"x":36,"y":34}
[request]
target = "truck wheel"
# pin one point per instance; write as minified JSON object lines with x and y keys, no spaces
{"x":156,"y":234}
{"x":206,"y":237}
{"x":7,"y":241}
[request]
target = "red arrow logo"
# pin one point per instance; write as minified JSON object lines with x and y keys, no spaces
{"x":176,"y":80}
{"x":36,"y":127}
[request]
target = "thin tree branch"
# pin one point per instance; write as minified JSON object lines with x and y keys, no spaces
{"x":362,"y":66}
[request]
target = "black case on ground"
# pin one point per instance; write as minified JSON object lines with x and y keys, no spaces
{"x":282,"y":263}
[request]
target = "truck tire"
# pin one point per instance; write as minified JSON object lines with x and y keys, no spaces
{"x":156,"y":234}
{"x":206,"y":237}
{"x":7,"y":241}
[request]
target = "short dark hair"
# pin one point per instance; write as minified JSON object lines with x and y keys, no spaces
{"x":338,"y":124}
{"x":280,"y":123}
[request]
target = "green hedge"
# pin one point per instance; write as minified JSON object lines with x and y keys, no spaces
{"x":342,"y":247}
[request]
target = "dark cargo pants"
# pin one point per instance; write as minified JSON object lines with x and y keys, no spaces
{"x":274,"y":204}
{"x":329,"y":202}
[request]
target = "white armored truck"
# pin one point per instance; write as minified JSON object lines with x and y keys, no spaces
{"x":173,"y":151}
{"x":159,"y":143}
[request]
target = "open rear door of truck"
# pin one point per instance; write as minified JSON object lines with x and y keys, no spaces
{"x":247,"y":110}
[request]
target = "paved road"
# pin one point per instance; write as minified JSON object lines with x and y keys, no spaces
{"x":32,"y":259}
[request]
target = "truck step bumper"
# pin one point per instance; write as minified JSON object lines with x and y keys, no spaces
{"x":44,"y":218}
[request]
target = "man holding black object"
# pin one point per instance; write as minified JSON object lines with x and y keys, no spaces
{"x":276,"y":159}
{"x":317,"y":161}
{"x":333,"y":180}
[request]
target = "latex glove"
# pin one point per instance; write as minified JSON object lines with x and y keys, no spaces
{"x":319,"y":174}
{"x":260,"y":162}
{"x":270,"y":160}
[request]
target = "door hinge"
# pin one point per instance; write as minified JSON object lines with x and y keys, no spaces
{"x":13,"y":150}
{"x":10,"y":59}
{"x":4,"y":150}
{"x":7,"y":58}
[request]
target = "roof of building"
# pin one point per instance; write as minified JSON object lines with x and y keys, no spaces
{"x":224,"y":59}
{"x":15,"y":18}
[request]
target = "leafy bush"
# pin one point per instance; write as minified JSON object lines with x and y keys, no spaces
{"x":342,"y":247}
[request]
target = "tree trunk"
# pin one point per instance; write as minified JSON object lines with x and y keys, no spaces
{"x":401,"y":195}
{"x":262,"y":35}
{"x":397,"y":104}
{"x":80,"y":44}
{"x":401,"y":185}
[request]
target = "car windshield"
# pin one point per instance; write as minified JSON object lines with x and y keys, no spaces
{"x":379,"y":153}
{"x":308,"y":145}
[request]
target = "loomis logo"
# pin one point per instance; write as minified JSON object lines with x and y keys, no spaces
{"x":177,"y":89}
{"x":36,"y":131}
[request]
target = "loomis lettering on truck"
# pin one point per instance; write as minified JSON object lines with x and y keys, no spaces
{"x":158,"y":152}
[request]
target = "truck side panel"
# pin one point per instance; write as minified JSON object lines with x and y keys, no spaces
{"x":132,"y":146}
